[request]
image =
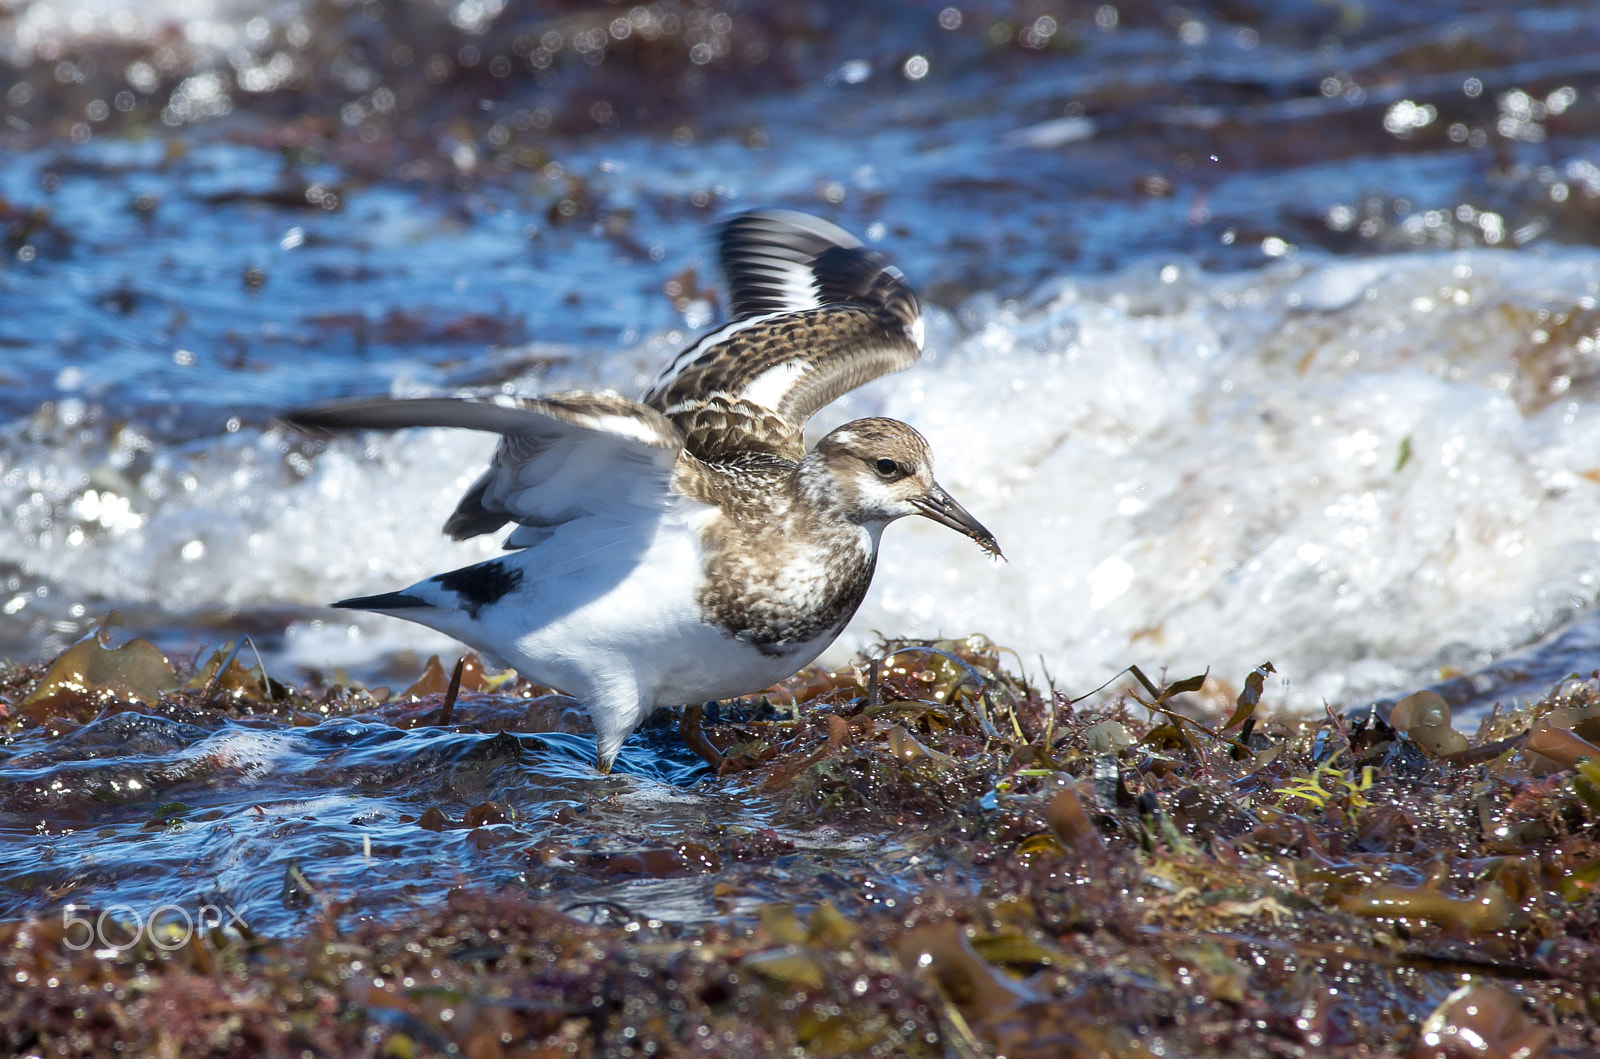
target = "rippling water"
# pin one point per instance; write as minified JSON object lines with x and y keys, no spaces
{"x":201,"y":816}
{"x":1256,"y":331}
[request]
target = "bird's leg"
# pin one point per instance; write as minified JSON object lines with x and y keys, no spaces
{"x":449,"y":706}
{"x":695,"y":737}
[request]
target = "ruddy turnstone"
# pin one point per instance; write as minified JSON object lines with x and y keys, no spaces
{"x":686,"y":547}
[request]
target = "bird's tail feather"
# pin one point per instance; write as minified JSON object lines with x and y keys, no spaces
{"x":383,"y":602}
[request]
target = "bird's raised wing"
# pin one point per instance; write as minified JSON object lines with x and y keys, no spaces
{"x":560,"y":457}
{"x":815,"y":314}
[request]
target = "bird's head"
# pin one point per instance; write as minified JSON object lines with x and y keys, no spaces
{"x":877,"y":470}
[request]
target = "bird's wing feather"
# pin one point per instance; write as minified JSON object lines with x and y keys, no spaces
{"x":769,"y":261}
{"x":560,"y":457}
{"x":815,"y":314}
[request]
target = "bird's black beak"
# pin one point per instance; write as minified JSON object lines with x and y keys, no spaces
{"x":943,"y":509}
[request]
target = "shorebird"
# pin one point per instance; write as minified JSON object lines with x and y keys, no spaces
{"x":686,"y":547}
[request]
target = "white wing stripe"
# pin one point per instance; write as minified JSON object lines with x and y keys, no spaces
{"x":770,"y":387}
{"x":632,"y":428}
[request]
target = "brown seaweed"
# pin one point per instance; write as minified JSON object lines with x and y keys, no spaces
{"x":1130,"y":877}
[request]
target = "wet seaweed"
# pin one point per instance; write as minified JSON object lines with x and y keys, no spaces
{"x":1127,"y":876}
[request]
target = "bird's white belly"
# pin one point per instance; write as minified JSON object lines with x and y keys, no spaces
{"x":646,"y":628}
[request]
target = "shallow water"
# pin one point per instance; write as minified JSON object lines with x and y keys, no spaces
{"x":1263,"y":333}
{"x":178,"y":817}
{"x":202,"y":816}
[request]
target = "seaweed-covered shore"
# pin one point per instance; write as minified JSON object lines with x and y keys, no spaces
{"x":1173,"y":871}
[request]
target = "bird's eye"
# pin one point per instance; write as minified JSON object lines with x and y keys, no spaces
{"x":886,"y":467}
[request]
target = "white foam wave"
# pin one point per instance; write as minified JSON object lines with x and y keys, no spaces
{"x":1323,"y":466}
{"x":241,"y":523}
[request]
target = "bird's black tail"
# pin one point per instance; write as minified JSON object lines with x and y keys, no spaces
{"x":382,"y":602}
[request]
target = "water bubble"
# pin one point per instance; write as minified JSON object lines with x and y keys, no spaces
{"x":854,"y":72}
{"x":1406,"y":115}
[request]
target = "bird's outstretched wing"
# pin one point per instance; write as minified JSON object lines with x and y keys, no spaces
{"x":814,"y":315}
{"x":561,"y":457}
